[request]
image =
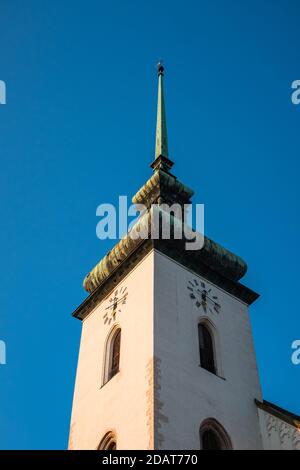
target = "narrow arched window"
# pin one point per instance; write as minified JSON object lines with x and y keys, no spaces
{"x":112,"y":355}
{"x":115,"y":354}
{"x":213,"y":436}
{"x":108,"y":442}
{"x":210,"y":440}
{"x":206,"y":348}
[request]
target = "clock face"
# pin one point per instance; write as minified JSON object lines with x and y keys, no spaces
{"x":203,"y":296}
{"x":115,"y":303}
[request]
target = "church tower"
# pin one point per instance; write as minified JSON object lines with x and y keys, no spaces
{"x":166,"y":356}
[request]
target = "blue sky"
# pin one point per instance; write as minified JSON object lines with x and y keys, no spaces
{"x":78,"y":130}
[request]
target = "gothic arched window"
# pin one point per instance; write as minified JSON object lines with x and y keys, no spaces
{"x":112,"y":355}
{"x":213,"y":436}
{"x":206,"y":348}
{"x":115,"y":354}
{"x":210,"y":440}
{"x":108,"y":442}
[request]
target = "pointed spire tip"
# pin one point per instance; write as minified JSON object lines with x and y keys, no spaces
{"x":160,"y":68}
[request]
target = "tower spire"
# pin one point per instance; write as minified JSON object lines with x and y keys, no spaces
{"x":161,"y":145}
{"x":161,"y":142}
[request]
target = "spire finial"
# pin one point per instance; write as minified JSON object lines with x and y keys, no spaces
{"x":160,"y":68}
{"x":161,"y":143}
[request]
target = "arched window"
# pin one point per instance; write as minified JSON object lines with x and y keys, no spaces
{"x":213,"y":436}
{"x":210,"y":440}
{"x":115,"y":354}
{"x":108,"y":442}
{"x":112,"y":355}
{"x":206,"y":348}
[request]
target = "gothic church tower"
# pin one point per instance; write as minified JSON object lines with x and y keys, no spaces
{"x":166,"y":355}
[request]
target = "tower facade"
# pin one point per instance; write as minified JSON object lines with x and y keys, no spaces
{"x":166,"y":356}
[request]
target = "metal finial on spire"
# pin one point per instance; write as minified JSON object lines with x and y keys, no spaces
{"x":160,"y":68}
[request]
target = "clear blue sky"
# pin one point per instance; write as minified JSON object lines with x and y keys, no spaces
{"x":78,"y":130}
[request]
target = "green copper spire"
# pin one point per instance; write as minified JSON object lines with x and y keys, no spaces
{"x":161,"y":144}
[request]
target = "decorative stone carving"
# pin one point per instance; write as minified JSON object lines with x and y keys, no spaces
{"x":296,"y":439}
{"x":289,"y":436}
{"x":284,"y":431}
{"x":271,"y":423}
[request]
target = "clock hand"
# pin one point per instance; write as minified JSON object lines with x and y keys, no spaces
{"x":213,"y":301}
{"x":121,"y":299}
{"x":207,"y":296}
{"x":114,"y":303}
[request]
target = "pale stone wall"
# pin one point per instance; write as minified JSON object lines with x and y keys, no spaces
{"x":161,"y":395}
{"x":125,"y":403}
{"x":278,"y":434}
{"x":186,"y":394}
